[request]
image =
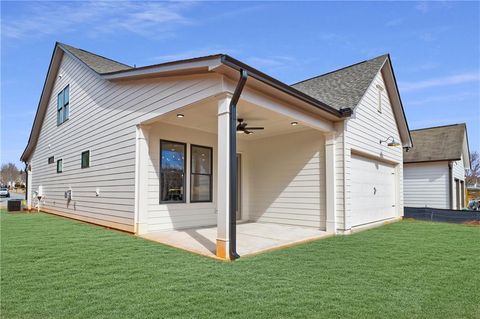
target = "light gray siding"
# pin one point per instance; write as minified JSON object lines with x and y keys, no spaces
{"x":362,"y":135}
{"x":178,"y":215}
{"x":458,"y":172}
{"x":287,"y":179}
{"x":103,"y":118}
{"x":426,"y":185}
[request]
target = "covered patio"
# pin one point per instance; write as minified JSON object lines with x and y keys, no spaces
{"x":252,"y":238}
{"x":283,"y":182}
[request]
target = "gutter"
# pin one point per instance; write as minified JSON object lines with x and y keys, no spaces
{"x":233,"y":164}
{"x":262,"y":77}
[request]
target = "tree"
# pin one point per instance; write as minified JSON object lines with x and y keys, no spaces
{"x":9,"y":173}
{"x":473,"y":174}
{"x":22,"y":177}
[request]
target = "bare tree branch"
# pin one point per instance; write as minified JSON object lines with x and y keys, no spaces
{"x":473,"y":174}
{"x":9,"y":173}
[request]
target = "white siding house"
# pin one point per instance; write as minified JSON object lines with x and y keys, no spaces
{"x":434,"y":169}
{"x":147,"y":150}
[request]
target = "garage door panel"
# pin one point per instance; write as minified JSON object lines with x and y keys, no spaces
{"x":373,"y":190}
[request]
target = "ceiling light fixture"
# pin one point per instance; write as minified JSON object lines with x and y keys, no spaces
{"x":180,"y":115}
{"x":294,"y":123}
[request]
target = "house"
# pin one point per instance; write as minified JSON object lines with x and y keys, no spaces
{"x":473,"y":191}
{"x":434,"y":169}
{"x":211,"y":141}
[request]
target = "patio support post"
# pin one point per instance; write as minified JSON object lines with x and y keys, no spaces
{"x":141,"y":191}
{"x":331,"y":226}
{"x":223,"y":179}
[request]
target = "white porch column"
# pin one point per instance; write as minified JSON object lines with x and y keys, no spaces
{"x":223,"y":179}
{"x":330,"y":182}
{"x":141,"y":180}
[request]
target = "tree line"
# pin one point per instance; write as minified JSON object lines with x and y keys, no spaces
{"x":11,"y":174}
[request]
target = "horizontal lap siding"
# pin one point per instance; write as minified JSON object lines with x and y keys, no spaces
{"x":363,"y":132}
{"x":426,"y":184}
{"x":180,"y":215}
{"x":458,"y":172}
{"x":287,"y":179}
{"x":102,"y":119}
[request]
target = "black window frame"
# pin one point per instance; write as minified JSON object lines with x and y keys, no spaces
{"x":60,"y":161}
{"x":64,"y":106}
{"x":210,"y":200}
{"x":88,"y":159}
{"x":184,"y":173}
{"x":51,"y":160}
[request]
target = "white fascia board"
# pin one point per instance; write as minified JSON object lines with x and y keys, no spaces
{"x":166,"y":69}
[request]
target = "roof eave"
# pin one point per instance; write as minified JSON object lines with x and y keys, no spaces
{"x":409,"y":142}
{"x":28,"y":149}
{"x":192,"y":65}
{"x":433,"y":160}
{"x":201,"y":64}
{"x":209,"y":63}
{"x":262,"y":77}
{"x":466,"y":155}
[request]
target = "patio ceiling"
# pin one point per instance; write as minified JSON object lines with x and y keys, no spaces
{"x":203,"y":116}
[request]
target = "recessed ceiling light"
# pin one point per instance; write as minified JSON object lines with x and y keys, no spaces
{"x":294,"y":123}
{"x":180,"y":115}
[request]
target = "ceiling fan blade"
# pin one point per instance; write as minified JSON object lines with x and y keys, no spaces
{"x":255,"y":128}
{"x":247,"y":132}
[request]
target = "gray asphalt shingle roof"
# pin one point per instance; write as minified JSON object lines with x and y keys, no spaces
{"x":344,"y":87}
{"x":436,"y":144}
{"x":96,"y":62}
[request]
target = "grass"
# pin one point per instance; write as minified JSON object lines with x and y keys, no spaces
{"x":53,"y":267}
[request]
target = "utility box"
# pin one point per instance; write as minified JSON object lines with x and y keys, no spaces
{"x":14,"y":205}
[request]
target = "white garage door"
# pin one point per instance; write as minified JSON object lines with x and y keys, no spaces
{"x":373,"y":191}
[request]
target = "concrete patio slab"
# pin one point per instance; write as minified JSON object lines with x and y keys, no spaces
{"x":252,"y":238}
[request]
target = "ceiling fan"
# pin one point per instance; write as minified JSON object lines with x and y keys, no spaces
{"x":242,"y":127}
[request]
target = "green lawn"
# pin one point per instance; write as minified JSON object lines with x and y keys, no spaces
{"x":53,"y":267}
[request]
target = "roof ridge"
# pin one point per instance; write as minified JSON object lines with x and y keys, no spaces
{"x":98,"y":55}
{"x":439,"y":126}
{"x":343,"y":68}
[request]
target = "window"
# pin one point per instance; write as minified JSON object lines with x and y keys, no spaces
{"x":380,"y":90}
{"x":85,"y":159}
{"x":172,"y":172}
{"x":59,"y":166}
{"x":51,"y":160}
{"x":63,"y":105}
{"x":201,"y":173}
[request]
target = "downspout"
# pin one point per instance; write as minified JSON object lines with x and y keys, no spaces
{"x":450,"y":184}
{"x":233,"y":164}
{"x":26,"y":180}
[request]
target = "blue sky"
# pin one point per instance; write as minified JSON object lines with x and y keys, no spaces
{"x":435,"y":47}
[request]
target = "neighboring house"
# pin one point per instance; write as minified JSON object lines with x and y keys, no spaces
{"x":473,"y":191}
{"x":434,"y":169}
{"x":146,"y":149}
